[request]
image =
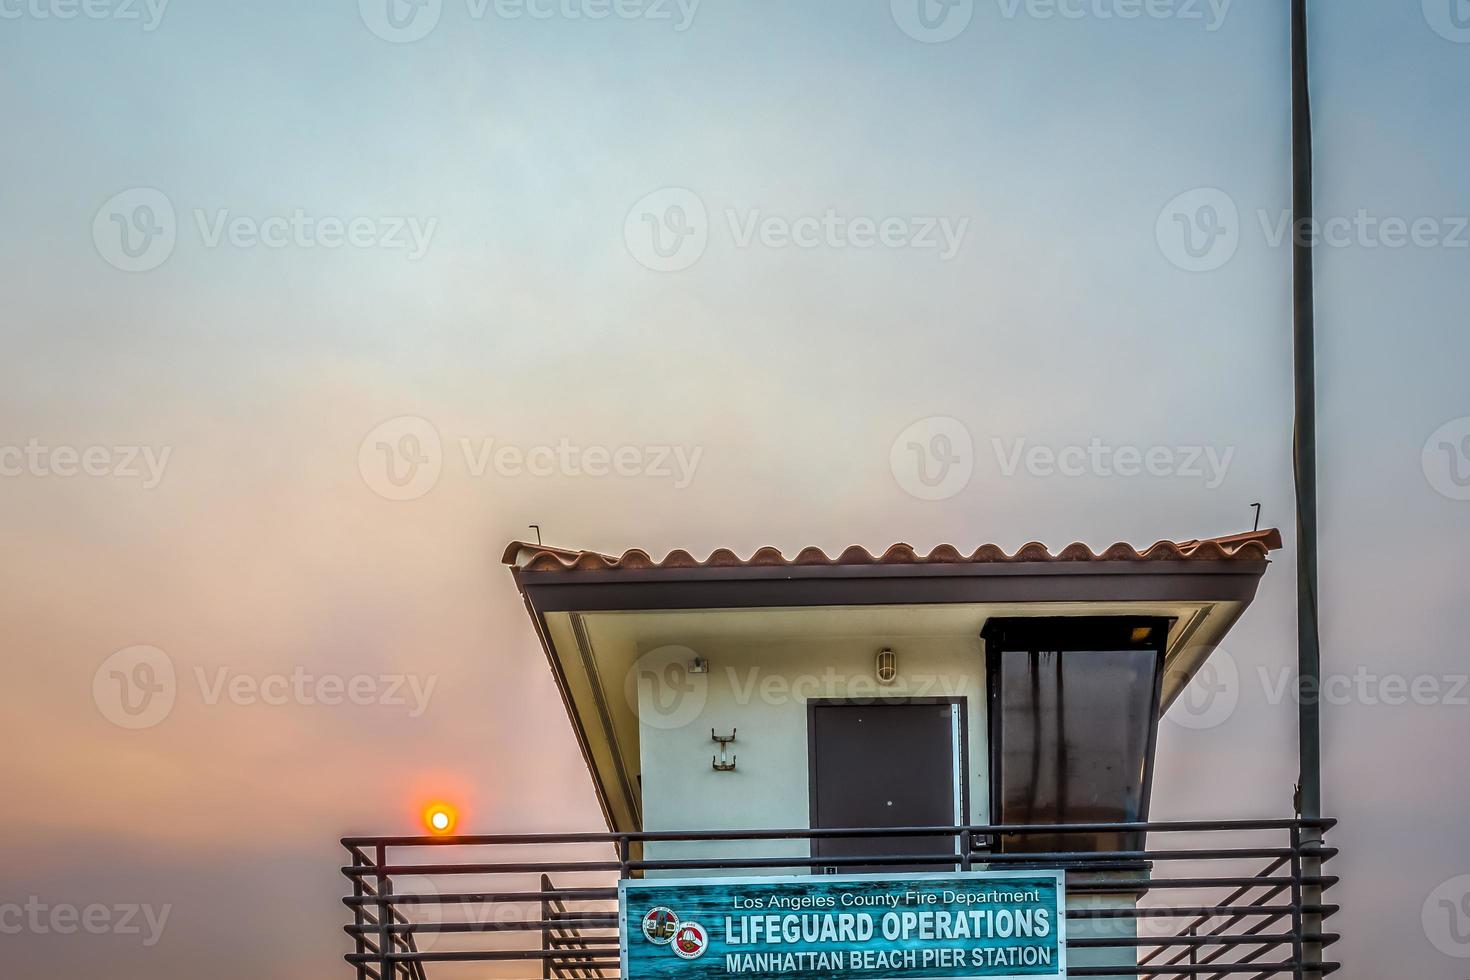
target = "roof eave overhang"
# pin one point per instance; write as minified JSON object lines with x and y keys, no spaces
{"x":1232,"y":580}
{"x":550,"y":591}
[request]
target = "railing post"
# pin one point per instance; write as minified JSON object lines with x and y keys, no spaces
{"x":1298,"y":947}
{"x":385,"y":916}
{"x":359,"y":920}
{"x":1309,"y":900}
{"x":546,"y":926}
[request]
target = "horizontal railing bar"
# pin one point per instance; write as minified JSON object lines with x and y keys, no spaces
{"x":486,"y":869}
{"x":611,"y":893}
{"x":1267,"y":939}
{"x":610,"y":919}
{"x":1261,"y":969}
{"x":581,"y":955}
{"x":784,"y":861}
{"x":1161,"y":827}
{"x":1210,"y":912}
{"x":472,"y":898}
{"x":1082,"y":859}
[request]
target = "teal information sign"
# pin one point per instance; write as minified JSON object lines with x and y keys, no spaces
{"x":994,"y":925}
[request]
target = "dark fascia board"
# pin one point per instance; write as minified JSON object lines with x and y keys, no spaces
{"x":1232,"y":580}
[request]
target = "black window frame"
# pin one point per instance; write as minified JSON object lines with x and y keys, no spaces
{"x":1064,"y":634}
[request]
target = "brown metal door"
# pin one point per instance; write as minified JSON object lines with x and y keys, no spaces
{"x":883,"y":765}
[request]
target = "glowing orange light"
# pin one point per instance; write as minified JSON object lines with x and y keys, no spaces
{"x":440,"y":819}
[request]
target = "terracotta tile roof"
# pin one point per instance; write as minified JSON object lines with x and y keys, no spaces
{"x":1252,"y":546}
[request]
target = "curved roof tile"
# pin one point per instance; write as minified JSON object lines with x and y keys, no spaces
{"x":1252,"y":546}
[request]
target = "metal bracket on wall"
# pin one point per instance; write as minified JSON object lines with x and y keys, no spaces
{"x":720,"y":762}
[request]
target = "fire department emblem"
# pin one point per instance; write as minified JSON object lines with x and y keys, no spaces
{"x":690,"y":941}
{"x":659,"y":925}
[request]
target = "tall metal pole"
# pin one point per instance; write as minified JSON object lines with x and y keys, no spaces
{"x":1304,"y":465}
{"x":1305,"y":462}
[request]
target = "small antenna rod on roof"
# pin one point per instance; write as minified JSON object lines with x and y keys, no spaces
{"x":537,"y":528}
{"x":1258,"y":517}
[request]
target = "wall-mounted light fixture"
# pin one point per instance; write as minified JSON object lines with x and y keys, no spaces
{"x":887,"y":666}
{"x":699,"y":665}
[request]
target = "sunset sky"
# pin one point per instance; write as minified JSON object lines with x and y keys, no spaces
{"x":246,"y":246}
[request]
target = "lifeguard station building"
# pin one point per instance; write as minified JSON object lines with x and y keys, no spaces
{"x":881,"y":766}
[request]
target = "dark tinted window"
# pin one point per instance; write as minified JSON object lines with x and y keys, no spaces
{"x":1074,"y":732}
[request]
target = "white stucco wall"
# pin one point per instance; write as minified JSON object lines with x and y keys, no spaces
{"x":762,"y":689}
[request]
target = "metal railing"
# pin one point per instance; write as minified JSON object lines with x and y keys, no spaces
{"x":1216,"y":899}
